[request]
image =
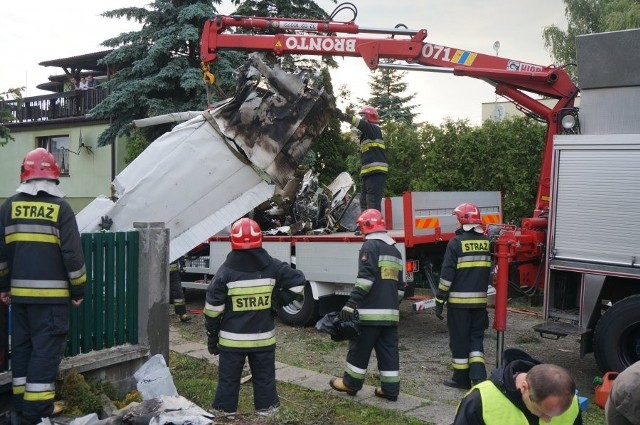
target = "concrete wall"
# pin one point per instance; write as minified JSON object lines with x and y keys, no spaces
{"x":118,"y":364}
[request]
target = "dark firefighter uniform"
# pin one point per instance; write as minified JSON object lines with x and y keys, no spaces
{"x":498,"y":401}
{"x":176,"y":294}
{"x":464,"y":280}
{"x":42,"y":266}
{"x":374,"y":167}
{"x":377,"y":293}
{"x":239,"y":304}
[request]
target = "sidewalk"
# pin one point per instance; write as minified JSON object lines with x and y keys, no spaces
{"x":426,"y":410}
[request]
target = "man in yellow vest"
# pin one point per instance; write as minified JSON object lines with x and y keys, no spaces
{"x":523,"y":392}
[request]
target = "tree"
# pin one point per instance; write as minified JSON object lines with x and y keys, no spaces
{"x":5,"y":113}
{"x":503,"y":156}
{"x":158,"y":66}
{"x":586,"y":17}
{"x":386,"y":87}
{"x":331,"y":149}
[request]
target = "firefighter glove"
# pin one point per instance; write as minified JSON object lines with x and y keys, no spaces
{"x":348,"y":312}
{"x":212,"y":343}
{"x":339,"y":114}
{"x":105,"y":223}
{"x":286,"y":297}
{"x":439,"y":308}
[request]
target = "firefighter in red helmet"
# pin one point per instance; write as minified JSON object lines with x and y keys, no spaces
{"x":464,"y":279}
{"x":374,"y":167}
{"x":41,"y":272}
{"x":375,"y":299}
{"x":238,"y":316}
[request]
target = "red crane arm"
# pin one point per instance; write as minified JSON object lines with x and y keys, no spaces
{"x":511,"y":78}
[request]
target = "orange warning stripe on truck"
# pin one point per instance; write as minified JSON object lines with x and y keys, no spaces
{"x":490,"y":218}
{"x":427,"y":223}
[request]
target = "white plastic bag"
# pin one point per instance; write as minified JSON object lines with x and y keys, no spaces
{"x":154,"y":379}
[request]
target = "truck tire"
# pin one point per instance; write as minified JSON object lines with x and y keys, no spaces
{"x":300,"y":313}
{"x":616,"y":340}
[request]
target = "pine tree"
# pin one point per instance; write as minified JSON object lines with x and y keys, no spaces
{"x":386,"y":87}
{"x":157,"y":68}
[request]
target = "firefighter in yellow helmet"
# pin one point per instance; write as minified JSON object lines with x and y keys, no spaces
{"x":238,"y":316}
{"x":41,"y":272}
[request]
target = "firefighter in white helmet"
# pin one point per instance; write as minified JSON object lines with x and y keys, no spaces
{"x":464,"y":279}
{"x":238,"y":316}
{"x":41,"y":272}
{"x":375,"y":299}
{"x":374,"y":167}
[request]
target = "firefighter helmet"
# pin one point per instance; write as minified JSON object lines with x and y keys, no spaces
{"x":246,"y":234}
{"x":370,"y":114}
{"x":39,"y":164}
{"x":371,"y":221}
{"x":468,"y":213}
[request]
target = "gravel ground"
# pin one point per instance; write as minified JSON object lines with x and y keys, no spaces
{"x":424,"y":349}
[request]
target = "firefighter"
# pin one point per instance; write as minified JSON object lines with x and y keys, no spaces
{"x":176,"y":294}
{"x":375,"y":299}
{"x":464,"y":279}
{"x":41,"y":270}
{"x":238,"y":316}
{"x":374,"y":167}
{"x":523,"y":392}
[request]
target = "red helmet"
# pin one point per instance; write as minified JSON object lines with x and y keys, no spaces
{"x":246,"y":234}
{"x":371,"y":221}
{"x":39,"y":164}
{"x":468,"y":213}
{"x":370,"y":114}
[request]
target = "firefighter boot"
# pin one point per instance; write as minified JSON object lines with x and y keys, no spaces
{"x":379,"y":393}
{"x":58,"y":407}
{"x":339,"y":385}
{"x":460,"y":379}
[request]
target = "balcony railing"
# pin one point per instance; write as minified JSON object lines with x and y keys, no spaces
{"x":54,"y":106}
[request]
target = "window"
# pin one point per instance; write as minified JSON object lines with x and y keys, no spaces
{"x":59,"y":147}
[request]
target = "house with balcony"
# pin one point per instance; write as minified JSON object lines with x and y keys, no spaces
{"x":59,"y":122}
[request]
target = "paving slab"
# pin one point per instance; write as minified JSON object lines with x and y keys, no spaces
{"x":426,"y":410}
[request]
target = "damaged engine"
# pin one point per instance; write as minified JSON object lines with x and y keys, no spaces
{"x":306,"y":207}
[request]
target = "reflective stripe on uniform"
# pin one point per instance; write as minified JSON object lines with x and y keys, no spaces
{"x":39,"y":392}
{"x":38,"y":284}
{"x":370,"y":144}
{"x":211,"y":310}
{"x":18,"y":385}
{"x":31,"y":237}
{"x":236,"y":340}
{"x":476,"y":357}
{"x":297,"y":289}
{"x":78,"y":277}
{"x":374,"y":166}
{"x":460,"y":364}
{"x":251,"y":287}
{"x":389,"y":376}
{"x":379,"y":314}
{"x":39,"y":288}
{"x":355,"y":372}
{"x":474,"y":261}
{"x":444,"y":284}
{"x":364,"y":284}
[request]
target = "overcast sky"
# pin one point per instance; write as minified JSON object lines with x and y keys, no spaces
{"x":34,"y":31}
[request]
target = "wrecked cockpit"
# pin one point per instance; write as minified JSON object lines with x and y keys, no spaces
{"x":305,"y":206}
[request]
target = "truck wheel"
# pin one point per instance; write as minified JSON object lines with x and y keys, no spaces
{"x":616,"y":341}
{"x":300,"y":313}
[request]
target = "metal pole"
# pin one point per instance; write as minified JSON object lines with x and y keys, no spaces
{"x":502,"y":288}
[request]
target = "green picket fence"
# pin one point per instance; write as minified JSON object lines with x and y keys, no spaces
{"x":109,"y":314}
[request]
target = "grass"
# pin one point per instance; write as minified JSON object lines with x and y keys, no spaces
{"x":196,"y":380}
